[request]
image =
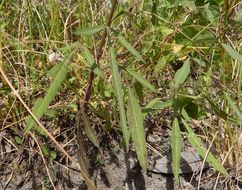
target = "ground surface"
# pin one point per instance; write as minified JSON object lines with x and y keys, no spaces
{"x":110,"y":168}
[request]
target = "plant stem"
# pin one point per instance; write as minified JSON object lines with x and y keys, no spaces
{"x":99,"y":53}
{"x":81,"y":150}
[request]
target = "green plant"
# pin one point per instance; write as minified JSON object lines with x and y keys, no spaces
{"x":123,"y":63}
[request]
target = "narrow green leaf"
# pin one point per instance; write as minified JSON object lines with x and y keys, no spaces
{"x":234,"y":54}
{"x":181,"y":74}
{"x":197,"y":145}
{"x":156,"y":104}
{"x":88,"y":129}
{"x":72,"y":46}
{"x":185,"y":115}
{"x":221,"y":113}
{"x":88,"y":56}
{"x":200,"y":62}
{"x":162,"y":63}
{"x":149,"y":106}
{"x":176,"y":143}
{"x":41,"y":105}
{"x":89,"y":31}
{"x":162,"y":105}
{"x":91,"y":62}
{"x":136,"y":124}
{"x":152,"y":103}
{"x":51,"y":113}
{"x":37,"y":104}
{"x":54,"y":70}
{"x":116,"y":81}
{"x":141,"y":79}
{"x":129,"y":47}
{"x":233,"y":106}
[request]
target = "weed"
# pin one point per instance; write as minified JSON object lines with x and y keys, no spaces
{"x":111,"y":65}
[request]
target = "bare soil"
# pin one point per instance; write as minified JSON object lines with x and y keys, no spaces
{"x":21,"y":167}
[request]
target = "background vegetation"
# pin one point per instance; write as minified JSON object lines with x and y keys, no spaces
{"x":106,"y":67}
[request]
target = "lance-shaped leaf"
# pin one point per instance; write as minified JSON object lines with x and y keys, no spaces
{"x":87,"y":127}
{"x":149,"y":106}
{"x":197,"y":145}
{"x":89,"y":31}
{"x":54,"y":70}
{"x":221,"y":113}
{"x":141,"y":79}
{"x":232,"y":52}
{"x":91,"y":62}
{"x":176,"y":142}
{"x":181,"y":74}
{"x":129,"y":47}
{"x":116,"y":81}
{"x":156,"y":104}
{"x":41,"y":105}
{"x":136,"y":124}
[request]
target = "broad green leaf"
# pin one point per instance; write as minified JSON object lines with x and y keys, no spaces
{"x":176,"y":143}
{"x":197,"y":145}
{"x":136,"y":125}
{"x":91,"y":62}
{"x":183,"y":100}
{"x":233,"y":106}
{"x":45,"y":150}
{"x":116,"y":81}
{"x":129,"y":47}
{"x":88,"y":129}
{"x":53,"y":155}
{"x":41,"y":105}
{"x":181,"y":74}
{"x":234,"y":54}
{"x":18,"y":140}
{"x":192,"y":110}
{"x":89,"y":31}
{"x":141,"y":79}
